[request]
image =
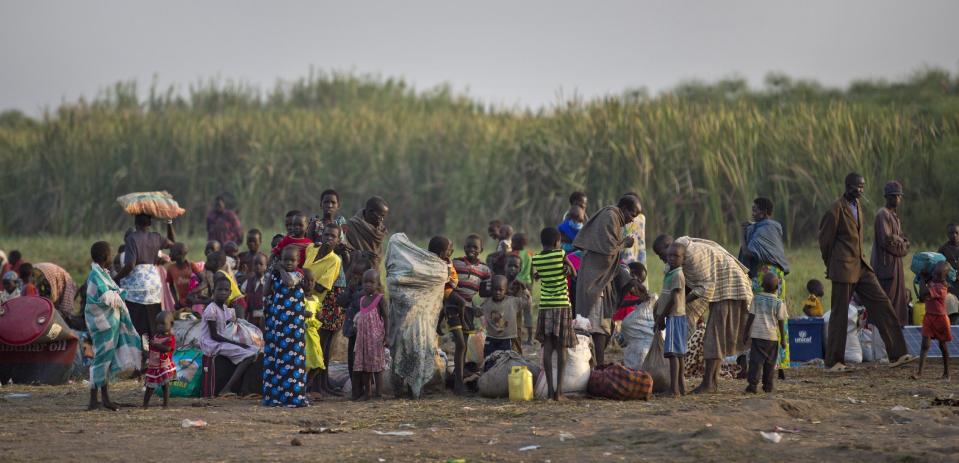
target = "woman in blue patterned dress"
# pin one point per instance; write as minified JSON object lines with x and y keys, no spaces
{"x":284,"y":359}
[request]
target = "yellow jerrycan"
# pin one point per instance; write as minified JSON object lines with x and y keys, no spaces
{"x":520,"y":383}
{"x":918,"y":313}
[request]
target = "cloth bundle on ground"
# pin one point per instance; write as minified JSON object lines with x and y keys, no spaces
{"x":638,"y":330}
{"x":158,"y":204}
{"x":873,"y":350}
{"x":495,"y":380}
{"x":615,"y":381}
{"x":853,"y":347}
{"x":657,"y":366}
{"x":415,"y":279}
{"x":576,"y":374}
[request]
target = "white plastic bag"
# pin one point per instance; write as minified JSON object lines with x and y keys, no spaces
{"x":853,"y":352}
{"x":638,"y":328}
{"x":576,"y":372}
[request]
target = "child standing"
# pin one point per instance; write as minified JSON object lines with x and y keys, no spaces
{"x":160,"y":370}
{"x":296,"y":238}
{"x":951,"y":248}
{"x":505,"y":244}
{"x":502,"y":314}
{"x":219,"y":338}
{"x":454,"y":310}
{"x":935,"y":323}
{"x":10,"y":287}
{"x":372,"y":325}
{"x":232,"y":252}
{"x":27,"y":287}
{"x":254,"y":239}
{"x":179,"y":273}
{"x":512,"y":269}
{"x":254,"y":288}
{"x":812,"y":305}
{"x":766,"y":327}
{"x":284,"y":361}
{"x":349,"y":300}
{"x":326,"y":266}
{"x":314,"y":353}
{"x":116,"y":344}
{"x":555,"y":326}
{"x":571,"y":226}
{"x":671,"y":316}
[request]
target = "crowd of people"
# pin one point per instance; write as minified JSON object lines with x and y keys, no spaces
{"x":322,"y":277}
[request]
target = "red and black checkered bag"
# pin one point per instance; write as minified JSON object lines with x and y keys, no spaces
{"x":615,"y":381}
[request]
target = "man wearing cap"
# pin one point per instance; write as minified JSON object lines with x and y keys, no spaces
{"x":841,"y":244}
{"x":888,"y":250}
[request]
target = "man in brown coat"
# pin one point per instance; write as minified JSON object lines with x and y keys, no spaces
{"x":888,"y":250}
{"x":841,"y":244}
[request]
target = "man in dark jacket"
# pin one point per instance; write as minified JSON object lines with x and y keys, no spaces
{"x":841,"y":244}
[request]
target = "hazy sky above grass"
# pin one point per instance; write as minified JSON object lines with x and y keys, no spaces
{"x":513,"y":53}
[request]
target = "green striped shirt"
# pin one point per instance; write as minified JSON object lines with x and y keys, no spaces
{"x":553,"y":292}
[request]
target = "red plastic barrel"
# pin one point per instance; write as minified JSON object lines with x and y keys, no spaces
{"x":25,"y":319}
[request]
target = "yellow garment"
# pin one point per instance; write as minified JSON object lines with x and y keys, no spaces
{"x":452,"y":283}
{"x":314,"y":352}
{"x":814,"y":305}
{"x":235,"y":292}
{"x":326,"y":269}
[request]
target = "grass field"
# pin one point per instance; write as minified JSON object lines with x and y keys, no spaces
{"x":72,"y":253}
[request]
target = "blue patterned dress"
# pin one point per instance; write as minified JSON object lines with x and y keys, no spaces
{"x":284,"y":359}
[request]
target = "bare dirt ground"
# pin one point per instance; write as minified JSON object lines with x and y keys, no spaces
{"x":855,"y":416}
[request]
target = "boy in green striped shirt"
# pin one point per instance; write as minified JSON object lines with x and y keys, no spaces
{"x":554,"y":328}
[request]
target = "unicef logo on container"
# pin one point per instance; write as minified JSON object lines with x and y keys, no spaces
{"x":802,"y":337}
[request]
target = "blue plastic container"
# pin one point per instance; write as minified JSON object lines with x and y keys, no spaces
{"x":806,"y":339}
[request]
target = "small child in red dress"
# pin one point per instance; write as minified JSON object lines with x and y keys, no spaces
{"x":160,"y":369}
{"x":372,"y":324}
{"x":935,"y":324}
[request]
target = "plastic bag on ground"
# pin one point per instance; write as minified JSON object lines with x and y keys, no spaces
{"x":495,"y":381}
{"x":474,"y":348}
{"x":853,"y":352}
{"x":415,"y":279}
{"x":657,"y":366}
{"x":638,"y":328}
{"x":576,"y":374}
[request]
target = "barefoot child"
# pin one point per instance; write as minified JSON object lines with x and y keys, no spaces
{"x":502,"y":314}
{"x":518,"y":244}
{"x":326,"y":266}
{"x":766,"y":327}
{"x":160,"y":370}
{"x":314,"y":353}
{"x":372,"y":324}
{"x":555,"y":325}
{"x":454,"y":310}
{"x":254,"y":239}
{"x":349,"y":300}
{"x":671,"y":316}
{"x":284,"y":359}
{"x":935,"y":323}
{"x":116,"y":344}
{"x":514,"y":287}
{"x":219,"y":338}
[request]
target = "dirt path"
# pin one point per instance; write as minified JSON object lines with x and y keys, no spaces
{"x":52,"y":424}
